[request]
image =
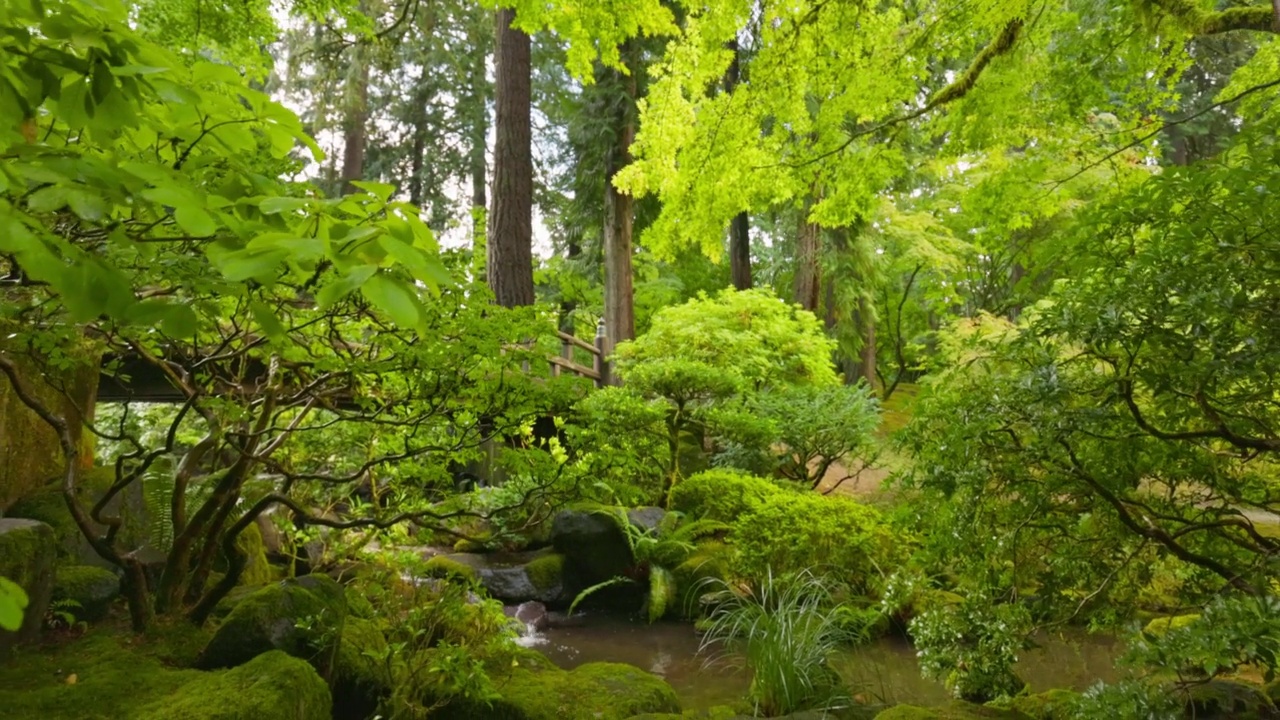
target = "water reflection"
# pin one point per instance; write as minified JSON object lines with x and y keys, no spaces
{"x":884,"y":672}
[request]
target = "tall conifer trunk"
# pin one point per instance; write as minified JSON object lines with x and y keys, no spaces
{"x":510,"y":238}
{"x":619,"y":310}
{"x":740,"y":227}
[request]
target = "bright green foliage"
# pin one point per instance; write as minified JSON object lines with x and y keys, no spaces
{"x":684,"y":380}
{"x":834,"y":536}
{"x":722,"y":495}
{"x":749,"y":336}
{"x":123,"y":163}
{"x":1144,"y":382}
{"x":13,"y":600}
{"x":1230,"y":634}
{"x":785,"y":630}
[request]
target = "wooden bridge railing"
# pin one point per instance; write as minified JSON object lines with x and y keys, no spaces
{"x":598,"y":371}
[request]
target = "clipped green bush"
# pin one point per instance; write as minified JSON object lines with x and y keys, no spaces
{"x":790,"y":532}
{"x":723,"y":495}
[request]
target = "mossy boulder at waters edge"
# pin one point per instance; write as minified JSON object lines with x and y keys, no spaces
{"x":301,"y":616}
{"x":594,"y":691}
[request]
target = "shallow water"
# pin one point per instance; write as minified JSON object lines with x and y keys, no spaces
{"x":883,"y":672}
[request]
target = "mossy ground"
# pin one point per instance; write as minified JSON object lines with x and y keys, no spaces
{"x":115,"y":673}
{"x":111,"y":673}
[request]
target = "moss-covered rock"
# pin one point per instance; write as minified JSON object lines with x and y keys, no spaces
{"x":547,"y":572}
{"x":91,"y":588}
{"x":358,"y":604}
{"x":27,"y":554}
{"x":301,"y":616}
{"x":956,"y":710}
{"x":593,"y":542}
{"x":272,"y":686}
{"x":1050,"y":705}
{"x":361,"y":674}
{"x":511,"y":577}
{"x":105,"y":676}
{"x":257,"y":571}
{"x":443,"y":566}
{"x":595,"y":691}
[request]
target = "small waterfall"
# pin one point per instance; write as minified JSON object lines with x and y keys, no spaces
{"x":530,"y":618}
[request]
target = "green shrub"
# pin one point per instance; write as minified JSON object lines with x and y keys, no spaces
{"x":723,"y":495}
{"x":790,"y":532}
{"x":972,"y":647}
{"x":749,"y":334}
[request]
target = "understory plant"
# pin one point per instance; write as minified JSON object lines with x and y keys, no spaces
{"x":655,"y":553}
{"x":785,"y":630}
{"x":972,"y":647}
{"x":441,"y":640}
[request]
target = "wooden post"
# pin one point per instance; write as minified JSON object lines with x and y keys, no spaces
{"x":602,"y":365}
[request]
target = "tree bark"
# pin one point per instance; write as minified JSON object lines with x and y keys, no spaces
{"x":866,"y":323}
{"x":740,"y":227}
{"x":510,"y":237}
{"x":479,"y":143}
{"x":354,"y":121}
{"x":807,"y":278}
{"x":619,"y":310}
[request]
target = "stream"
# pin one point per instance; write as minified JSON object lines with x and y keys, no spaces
{"x":882,"y":672}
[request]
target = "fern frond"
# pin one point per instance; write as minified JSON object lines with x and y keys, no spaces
{"x":662,"y":591}
{"x":619,"y":580}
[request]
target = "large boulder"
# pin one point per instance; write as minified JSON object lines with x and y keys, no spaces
{"x":28,"y":551}
{"x":90,"y":587}
{"x":595,"y":691}
{"x":594,"y":542}
{"x":272,"y":685}
{"x":513,"y":577}
{"x":301,"y":616}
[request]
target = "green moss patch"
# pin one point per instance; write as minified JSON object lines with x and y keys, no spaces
{"x":546,"y":572}
{"x":443,"y":567}
{"x":108,"y":674}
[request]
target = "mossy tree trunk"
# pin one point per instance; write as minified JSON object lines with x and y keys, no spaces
{"x":30,"y":454}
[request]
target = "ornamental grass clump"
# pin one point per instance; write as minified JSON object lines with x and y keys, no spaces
{"x":786,"y":631}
